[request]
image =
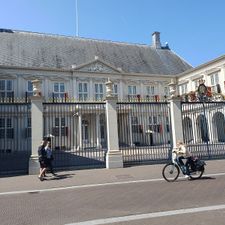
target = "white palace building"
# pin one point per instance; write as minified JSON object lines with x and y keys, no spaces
{"x":74,"y":69}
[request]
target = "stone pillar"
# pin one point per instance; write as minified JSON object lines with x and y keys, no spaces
{"x":176,"y":120}
{"x":176,"y":117}
{"x":36,"y":126}
{"x":114,"y":157}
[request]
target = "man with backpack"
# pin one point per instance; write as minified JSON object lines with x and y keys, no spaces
{"x":42,"y":157}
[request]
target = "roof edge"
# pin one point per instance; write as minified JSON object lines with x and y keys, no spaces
{"x":202,"y":65}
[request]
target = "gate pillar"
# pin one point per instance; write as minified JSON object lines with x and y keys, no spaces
{"x":176,"y":120}
{"x":114,"y":157}
{"x":37,"y":130}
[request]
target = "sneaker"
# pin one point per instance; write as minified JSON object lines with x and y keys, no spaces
{"x":186,"y":176}
{"x":40,"y":178}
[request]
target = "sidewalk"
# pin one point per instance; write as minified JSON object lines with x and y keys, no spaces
{"x":94,"y":176}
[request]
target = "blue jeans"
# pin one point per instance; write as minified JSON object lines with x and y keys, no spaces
{"x":184,"y":167}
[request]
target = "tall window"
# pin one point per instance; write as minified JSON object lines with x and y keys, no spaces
{"x":28,"y":131}
{"x":134,"y":123}
{"x":183,"y":89}
{"x":167,"y":124}
{"x":60,"y":128}
{"x":166,"y":91}
{"x":59,"y":90}
{"x":85,"y":130}
{"x":196,"y":84}
{"x":83,"y":91}
{"x":6,"y":128}
{"x":132,"y":91}
{"x":136,"y":127}
{"x":29,"y":88}
{"x":115,"y":90}
{"x":102,"y":127}
{"x":150,"y":90}
{"x":6,"y":88}
{"x":154,"y":125}
{"x":98,"y":91}
{"x":214,"y":78}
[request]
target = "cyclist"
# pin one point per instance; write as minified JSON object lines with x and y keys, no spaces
{"x":183,"y":153}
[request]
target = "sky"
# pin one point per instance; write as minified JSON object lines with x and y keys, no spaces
{"x":194,"y":29}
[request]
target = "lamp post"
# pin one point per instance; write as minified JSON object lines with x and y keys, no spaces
{"x":202,"y":96}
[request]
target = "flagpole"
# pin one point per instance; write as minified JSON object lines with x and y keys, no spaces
{"x":77,"y":22}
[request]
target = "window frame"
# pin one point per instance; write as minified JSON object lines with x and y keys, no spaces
{"x":99,"y":91}
{"x":58,"y":93}
{"x":82,"y":93}
{"x":6,"y":92}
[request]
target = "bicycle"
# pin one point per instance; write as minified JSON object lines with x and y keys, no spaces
{"x":171,"y":170}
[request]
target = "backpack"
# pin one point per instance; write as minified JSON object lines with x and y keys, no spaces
{"x":197,"y":164}
{"x":41,"y":153}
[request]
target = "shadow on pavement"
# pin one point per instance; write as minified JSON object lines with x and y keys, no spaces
{"x":59,"y":177}
{"x":207,"y":178}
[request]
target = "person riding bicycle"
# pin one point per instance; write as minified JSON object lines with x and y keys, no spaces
{"x":183,"y":153}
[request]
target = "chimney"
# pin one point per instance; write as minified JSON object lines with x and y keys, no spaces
{"x":156,"y":40}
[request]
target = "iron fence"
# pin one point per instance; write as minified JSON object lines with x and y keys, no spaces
{"x":77,"y":132}
{"x":204,"y":128}
{"x":15,"y":135}
{"x":144,"y":131}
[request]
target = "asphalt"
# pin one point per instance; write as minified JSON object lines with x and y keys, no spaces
{"x":95,"y":176}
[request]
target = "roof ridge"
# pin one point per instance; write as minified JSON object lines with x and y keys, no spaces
{"x":82,"y":38}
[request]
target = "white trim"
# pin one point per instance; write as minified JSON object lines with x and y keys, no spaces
{"x":150,"y":215}
{"x":96,"y":185}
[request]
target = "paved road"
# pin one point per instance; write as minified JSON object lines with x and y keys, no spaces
{"x":154,"y":200}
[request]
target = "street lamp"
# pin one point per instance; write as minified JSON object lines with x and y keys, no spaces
{"x":202,"y":95}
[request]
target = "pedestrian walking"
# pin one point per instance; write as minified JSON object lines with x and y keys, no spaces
{"x":42,"y":159}
{"x":49,"y":157}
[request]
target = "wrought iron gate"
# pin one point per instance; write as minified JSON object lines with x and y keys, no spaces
{"x":144,"y":131}
{"x":204,"y":128}
{"x":77,"y":132}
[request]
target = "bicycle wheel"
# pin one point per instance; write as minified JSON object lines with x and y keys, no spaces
{"x":197,"y":174}
{"x":170,"y":172}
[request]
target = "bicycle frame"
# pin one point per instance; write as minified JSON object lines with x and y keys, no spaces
{"x":176,"y":162}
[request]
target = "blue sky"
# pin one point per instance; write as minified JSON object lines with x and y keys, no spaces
{"x":194,"y":29}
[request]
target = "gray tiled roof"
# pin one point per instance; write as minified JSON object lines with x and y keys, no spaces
{"x":26,"y":49}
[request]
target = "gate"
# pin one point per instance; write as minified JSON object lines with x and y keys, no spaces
{"x":204,"y":128}
{"x":15,"y":135}
{"x":144,"y":131}
{"x":77,"y":132}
